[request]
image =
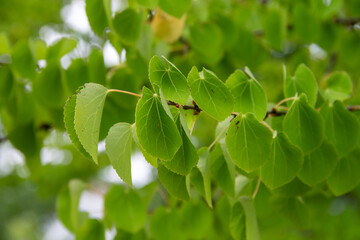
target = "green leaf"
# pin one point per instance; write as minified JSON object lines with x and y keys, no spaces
{"x":6,"y":83}
{"x":92,"y":229}
{"x":118,"y":147}
{"x":165,"y":75}
{"x":23,"y":60}
{"x":200,"y":218}
{"x":285,"y":162}
{"x":292,"y":189}
{"x":174,"y":183}
{"x":125,"y":209}
{"x":97,"y":69}
{"x":248,"y":142}
{"x":69,"y":120}
{"x":155,"y":130}
{"x":67,"y":205}
{"x":4,"y":43}
{"x":319,"y":164}
{"x":206,"y":41}
{"x":48,"y":86}
{"x":76,"y":74}
{"x":304,"y":81}
{"x":186,"y":157}
{"x":338,"y":87}
{"x":296,"y":211}
{"x":345,"y":177}
{"x":165,"y":224}
{"x":127,"y":25}
{"x":88,"y":111}
{"x":124,"y":79}
{"x":175,"y":8}
{"x":342,"y":127}
{"x":148,"y":157}
{"x":304,"y":125}
{"x":275,"y":27}
{"x":148,"y":3}
{"x":220,"y":171}
{"x":203,"y":167}
{"x":210,"y":93}
{"x":243,"y":222}
{"x":238,"y":222}
{"x":248,"y":94}
{"x":98,"y":14}
{"x":60,"y":48}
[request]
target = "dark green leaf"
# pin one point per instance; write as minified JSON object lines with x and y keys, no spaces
{"x":6,"y":83}
{"x":210,"y":93}
{"x":165,"y":75}
{"x":175,"y":8}
{"x":319,"y":164}
{"x":97,"y":69}
{"x":285,"y":162}
{"x":248,"y":142}
{"x":165,"y":224}
{"x":248,"y":94}
{"x":238,"y":222}
{"x":342,"y":127}
{"x":304,"y":81}
{"x":23,"y":60}
{"x":92,"y":229}
{"x":125,"y":208}
{"x":304,"y":125}
{"x":127,"y":25}
{"x":98,"y":13}
{"x":155,"y":130}
{"x":174,"y":183}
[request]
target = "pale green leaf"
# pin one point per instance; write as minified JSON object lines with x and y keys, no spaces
{"x":4,"y":43}
{"x":248,"y":142}
{"x":210,"y":94}
{"x":342,"y":127}
{"x":69,"y":117}
{"x":304,"y":81}
{"x":345,"y":177}
{"x":118,"y":147}
{"x":165,"y":75}
{"x":88,"y":111}
{"x":318,"y":165}
{"x":148,"y":157}
{"x":285,"y":162}
{"x":274,"y":24}
{"x":248,"y":94}
{"x":175,"y":8}
{"x":304,"y":125}
{"x":174,"y":183}
{"x":155,"y":130}
{"x":127,"y":25}
{"x":125,"y":208}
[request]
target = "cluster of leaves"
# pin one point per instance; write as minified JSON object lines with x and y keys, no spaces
{"x":226,"y":155}
{"x":276,"y":151}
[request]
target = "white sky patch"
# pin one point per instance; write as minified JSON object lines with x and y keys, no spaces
{"x":55,"y":156}
{"x":93,"y":203}
{"x":50,"y":35}
{"x":55,"y":230}
{"x":141,"y":172}
{"x":316,"y":52}
{"x":11,"y":159}
{"x":111,"y":57}
{"x":74,"y":16}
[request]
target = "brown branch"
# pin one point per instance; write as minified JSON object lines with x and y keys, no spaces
{"x":347,"y":21}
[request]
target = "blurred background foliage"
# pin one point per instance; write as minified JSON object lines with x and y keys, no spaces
{"x":48,"y":49}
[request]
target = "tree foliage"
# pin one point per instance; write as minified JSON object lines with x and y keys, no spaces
{"x":247,"y":113}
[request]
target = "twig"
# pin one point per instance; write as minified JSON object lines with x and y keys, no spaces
{"x":218,"y":137}
{"x":125,"y":92}
{"x":257,"y":188}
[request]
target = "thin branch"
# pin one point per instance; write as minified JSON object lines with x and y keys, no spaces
{"x":353,"y":108}
{"x":274,"y":113}
{"x":125,"y":92}
{"x":193,"y":126}
{"x":283,"y":101}
{"x":347,"y":21}
{"x":257,"y":188}
{"x":268,"y":126}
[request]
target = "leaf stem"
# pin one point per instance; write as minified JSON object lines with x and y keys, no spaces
{"x":282,"y":101}
{"x":193,"y":126}
{"x":218,"y":137}
{"x":125,"y":92}
{"x":268,"y":126}
{"x":257,"y":188}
